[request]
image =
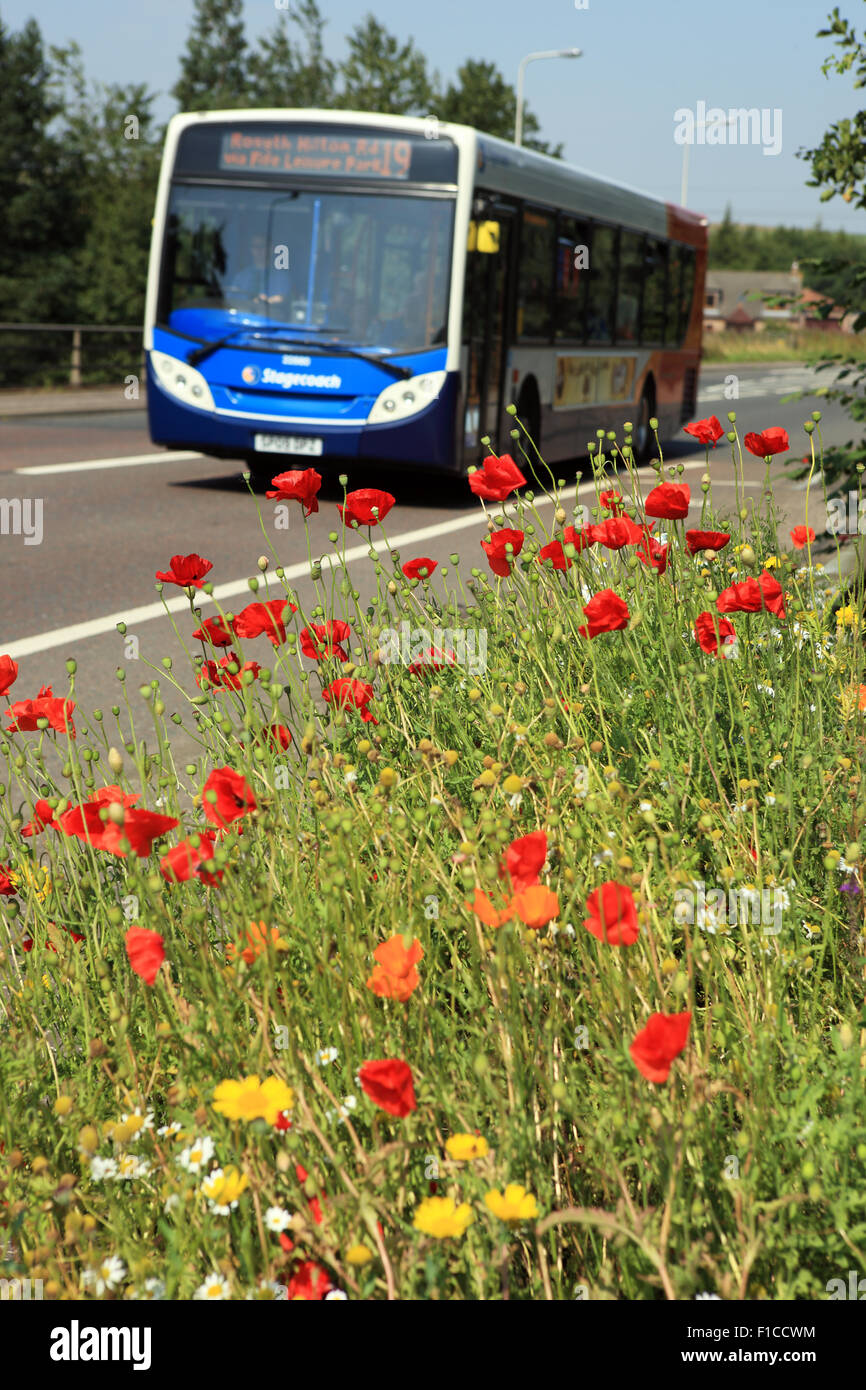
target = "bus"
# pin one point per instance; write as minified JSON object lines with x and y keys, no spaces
{"x":340,"y":286}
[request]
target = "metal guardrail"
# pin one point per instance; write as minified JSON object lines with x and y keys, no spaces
{"x":76,"y":329}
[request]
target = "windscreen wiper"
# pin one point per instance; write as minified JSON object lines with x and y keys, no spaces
{"x":207,"y":349}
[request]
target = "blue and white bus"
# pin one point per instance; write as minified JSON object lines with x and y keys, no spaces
{"x":343,"y":286}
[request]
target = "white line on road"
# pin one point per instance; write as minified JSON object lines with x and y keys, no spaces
{"x":98,"y":627}
{"x":130,"y":461}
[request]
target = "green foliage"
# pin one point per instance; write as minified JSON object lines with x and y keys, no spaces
{"x":213,"y":70}
{"x":482,"y":98}
{"x":287,"y":73}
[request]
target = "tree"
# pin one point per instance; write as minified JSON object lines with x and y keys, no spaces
{"x":110,"y":133}
{"x":41,"y":221}
{"x":282,"y":73}
{"x":213,"y":70}
{"x":482,"y":98}
{"x":838,"y":168}
{"x":380,"y":74}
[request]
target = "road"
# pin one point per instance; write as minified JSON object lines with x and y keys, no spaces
{"x":115,"y":509}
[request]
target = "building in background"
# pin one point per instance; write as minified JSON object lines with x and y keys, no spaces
{"x":734,"y":301}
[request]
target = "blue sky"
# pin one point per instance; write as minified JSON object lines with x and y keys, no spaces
{"x":613,"y":109}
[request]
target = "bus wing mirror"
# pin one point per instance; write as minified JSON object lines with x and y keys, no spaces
{"x":484,"y":237}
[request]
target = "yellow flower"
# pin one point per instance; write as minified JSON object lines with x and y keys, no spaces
{"x":359,"y":1254}
{"x":441,"y":1217}
{"x":514,"y":1205}
{"x":466,"y":1146}
{"x":225,"y":1187}
{"x":252,"y":1099}
{"x":772,"y":562}
{"x":847,"y":616}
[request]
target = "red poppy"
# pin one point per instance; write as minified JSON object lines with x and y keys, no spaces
{"x":496,"y":478}
{"x":578,"y":536}
{"x":234,"y":797}
{"x":8,"y":673}
{"x":616,"y":532}
{"x":524,"y":860}
{"x":279,"y":737}
{"x":611,"y":500}
{"x":298,"y":485}
{"x":268,"y":619}
{"x":347,"y":692}
{"x":606,"y":612}
{"x":612,"y":915}
{"x":309,"y":1283}
{"x":669,"y":500}
{"x":221,"y":677}
{"x":706,"y":540}
{"x":7,"y":887}
{"x":187,"y":571}
{"x":43,"y":817}
{"x":319,"y":640}
{"x":25,"y":714}
{"x":498,"y":557}
{"x":186,"y":861}
{"x":104,"y":796}
{"x":753,"y":595}
{"x":485,"y":910}
{"x":368,"y":506}
{"x":433,"y":659}
{"x":134,"y":834}
{"x":772,"y":441}
{"x":214,"y":630}
{"x":653,"y":553}
{"x":802,"y":536}
{"x":707,"y":431}
{"x":146,"y":951}
{"x":389,"y":1085}
{"x":554,"y":552}
{"x":422,"y":568}
{"x":656,"y":1045}
{"x":710,"y":630}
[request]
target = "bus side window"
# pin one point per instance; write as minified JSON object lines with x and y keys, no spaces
{"x":655,"y":295}
{"x":602,"y":285}
{"x":572,"y":271}
{"x":675,"y":269}
{"x":535,"y":273}
{"x":687,"y":289}
{"x":629,"y":287}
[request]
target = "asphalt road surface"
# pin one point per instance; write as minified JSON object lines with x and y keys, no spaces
{"x":115,"y":509}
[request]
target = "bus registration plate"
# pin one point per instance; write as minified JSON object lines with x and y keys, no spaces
{"x":286,"y":444}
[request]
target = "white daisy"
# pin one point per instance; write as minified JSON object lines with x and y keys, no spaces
{"x":325,"y":1055}
{"x":151,"y":1289}
{"x":128,"y":1166}
{"x":277,"y":1219}
{"x":137,"y":1122}
{"x":173,"y":1128}
{"x":106,"y":1276}
{"x":336,"y":1294}
{"x":197,"y":1156}
{"x":101,"y":1168}
{"x":214,"y":1287}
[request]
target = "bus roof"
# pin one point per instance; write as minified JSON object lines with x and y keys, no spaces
{"x":502,"y":167}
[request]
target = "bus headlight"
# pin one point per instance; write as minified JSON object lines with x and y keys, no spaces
{"x":404,"y":398}
{"x":181,"y":380}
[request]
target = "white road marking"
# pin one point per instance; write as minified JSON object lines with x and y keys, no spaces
{"x":129,"y":461}
{"x":133,"y":617}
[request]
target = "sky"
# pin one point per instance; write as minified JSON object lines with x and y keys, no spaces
{"x":613,"y":109}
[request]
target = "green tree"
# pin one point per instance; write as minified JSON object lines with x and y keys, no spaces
{"x":110,"y":133}
{"x":213,"y":70}
{"x":482,"y":98}
{"x":380,"y":74}
{"x":41,"y":221}
{"x":283,"y":73}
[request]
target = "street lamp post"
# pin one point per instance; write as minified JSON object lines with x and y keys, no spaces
{"x":521,"y":72}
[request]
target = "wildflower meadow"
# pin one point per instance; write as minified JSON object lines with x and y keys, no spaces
{"x":503,"y":940}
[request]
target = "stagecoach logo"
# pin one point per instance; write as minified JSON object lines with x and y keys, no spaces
{"x":251,"y":375}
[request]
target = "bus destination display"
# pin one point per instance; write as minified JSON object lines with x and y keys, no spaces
{"x":352,"y":156}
